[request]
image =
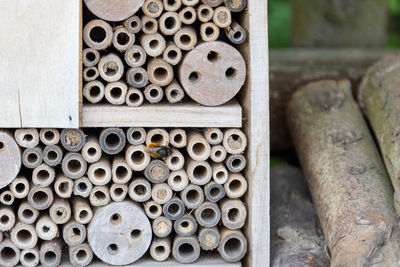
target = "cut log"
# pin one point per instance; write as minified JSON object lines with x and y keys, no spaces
{"x":346,"y":175}
{"x":114,"y":10}
{"x":10,"y":158}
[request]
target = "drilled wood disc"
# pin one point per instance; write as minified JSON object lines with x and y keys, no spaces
{"x":10,"y":159}
{"x":114,"y":10}
{"x":212,"y":73}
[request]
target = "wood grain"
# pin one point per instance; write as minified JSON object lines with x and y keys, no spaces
{"x":114,"y":10}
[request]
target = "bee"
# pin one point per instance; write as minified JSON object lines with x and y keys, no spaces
{"x":157,"y":151}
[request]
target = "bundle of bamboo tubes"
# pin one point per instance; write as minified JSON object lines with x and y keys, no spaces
{"x":151,"y":49}
{"x":167,"y":191}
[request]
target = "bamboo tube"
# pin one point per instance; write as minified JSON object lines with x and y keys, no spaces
{"x":233,"y":214}
{"x":236,"y":33}
{"x":150,"y":25}
{"x":100,"y":196}
{"x":226,"y":65}
{"x":177,"y":138}
{"x":31,"y":157}
{"x":161,"y":193}
{"x":335,"y":145}
{"x":197,"y":146}
{"x":235,"y":163}
{"x":157,"y":171}
{"x":186,"y":38}
{"x":222,"y":17}
{"x":214,"y":136}
{"x":90,"y":74}
{"x":153,"y":93}
{"x":52,"y":155}
{"x":175,"y":161}
{"x":83,"y":213}
{"x":214,"y":192}
{"x":91,"y":151}
{"x":218,"y":154}
{"x":73,"y":233}
{"x":192,"y":196}
{"x":174,"y":209}
{"x":80,"y":255}
{"x":46,"y":229}
{"x":118,"y":192}
{"x":137,"y":158}
{"x":60,"y":211}
{"x":212,"y":3}
{"x":49,"y":137}
{"x":152,"y":209}
{"x":90,"y":57}
{"x":63,"y":186}
{"x":111,"y":67}
{"x":178,"y":180}
{"x":153,"y":44}
{"x":123,"y":237}
{"x":73,"y":165}
{"x":188,"y":15}
{"x":7,"y":219}
{"x":172,"y":5}
{"x":112,"y":140}
{"x":209,"y":32}
{"x":209,"y":238}
{"x":114,"y":10}
{"x":26,"y":138}
{"x":185,"y":226}
{"x":135,"y":56}
{"x":121,"y":172}
{"x":233,"y":245}
{"x":94,"y":91}
{"x":160,"y":72}
{"x":199,"y":172}
{"x":190,"y":3}
{"x":235,"y":141}
{"x":133,"y":24}
{"x":162,"y":227}
{"x":82,"y":187}
{"x":172,"y":54}
{"x":236,"y":186}
{"x":136,"y":136}
{"x":98,"y":34}
{"x":205,"y":13}
{"x":160,"y":249}
{"x":26,"y":213}
{"x":50,"y":253}
{"x":7,"y":198}
{"x":30,"y":257}
{"x":40,"y":197}
{"x":9,"y":253}
{"x":153,"y":8}
{"x":157,"y":136}
{"x":186,"y":249}
{"x":115,"y":92}
{"x":137,"y":77}
{"x":208,"y":214}
{"x":24,"y":236}
{"x":43,"y":175}
{"x":174,"y":93}
{"x":134,"y":97}
{"x":169,"y":23}
{"x":19,"y":187}
{"x":235,"y":5}
{"x":140,"y":190}
{"x":72,"y":139}
{"x":123,"y":39}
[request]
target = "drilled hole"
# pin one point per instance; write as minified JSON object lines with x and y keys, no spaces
{"x":230,"y":73}
{"x":194,"y":76}
{"x":136,"y":233}
{"x":212,"y":56}
{"x":112,"y":249}
{"x":115,"y":219}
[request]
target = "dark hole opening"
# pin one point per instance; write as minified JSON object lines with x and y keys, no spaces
{"x":97,"y":34}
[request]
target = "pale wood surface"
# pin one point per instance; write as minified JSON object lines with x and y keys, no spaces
{"x":163,"y":115}
{"x":39,"y":67}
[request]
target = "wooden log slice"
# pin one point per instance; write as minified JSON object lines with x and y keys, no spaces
{"x":114,"y":10}
{"x":10,"y":159}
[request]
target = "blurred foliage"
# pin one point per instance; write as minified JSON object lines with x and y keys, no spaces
{"x":277,"y":160}
{"x":394,"y":24}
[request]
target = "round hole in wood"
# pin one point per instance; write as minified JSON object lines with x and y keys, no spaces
{"x":230,"y":73}
{"x":112,"y":249}
{"x":115,"y":219}
{"x":194,"y":76}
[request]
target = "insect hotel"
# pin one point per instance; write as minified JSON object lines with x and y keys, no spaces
{"x":134,"y":133}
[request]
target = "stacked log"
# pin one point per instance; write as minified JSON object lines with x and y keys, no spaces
{"x":92,"y":184}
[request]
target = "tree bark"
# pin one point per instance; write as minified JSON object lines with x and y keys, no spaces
{"x":346,"y":176}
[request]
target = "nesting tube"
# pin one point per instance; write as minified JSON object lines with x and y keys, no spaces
{"x":157,"y":136}
{"x":160,"y":249}
{"x":115,"y":92}
{"x":149,"y":25}
{"x":73,"y":165}
{"x":30,"y":257}
{"x":169,"y":23}
{"x":160,"y":72}
{"x":190,"y":2}
{"x":235,"y":5}
{"x":60,"y":211}
{"x":26,"y":213}
{"x":209,"y":238}
{"x":235,"y":163}
{"x":27,"y":138}
{"x":91,"y":151}
{"x":99,"y":173}
{"x":236,"y":186}
{"x":153,"y":44}
{"x":43,"y":175}
{"x":83,"y":213}
{"x":7,"y":219}
{"x":236,"y":33}
{"x":172,"y":54}
{"x":137,"y":157}
{"x":222,"y":17}
{"x":118,"y":192}
{"x":186,"y":38}
{"x":7,"y":198}
{"x":233,"y":245}
{"x":220,"y":173}
{"x":50,"y":253}
{"x":178,"y":180}
{"x":209,"y":32}
{"x":136,"y":136}
{"x":186,"y":249}
{"x":134,"y":97}
{"x":174,"y":209}
{"x":218,"y":154}
{"x":162,"y":227}
{"x":188,"y":15}
{"x":172,"y":5}
{"x":24,"y":235}
{"x":153,"y":8}
{"x":140,"y":190}
{"x":97,"y":34}
{"x":80,"y":255}
{"x":175,"y":161}
{"x":123,"y":39}
{"x":199,"y":172}
{"x":152,"y":209}
{"x":72,"y":139}
{"x":133,"y":24}
{"x":174,"y":93}
{"x":233,"y":214}
{"x":52,"y":155}
{"x":157,"y":171}
{"x":197,"y":146}
{"x":111,"y":67}
{"x":235,"y":141}
{"x":185,"y":226}
{"x":90,"y":57}
{"x":63,"y":186}
{"x":90,"y":74}
{"x":208,"y":214}
{"x":93,"y":91}
{"x":46,"y":229}
{"x":214,"y":136}
{"x":73,"y":233}
{"x":32,"y":157}
{"x":112,"y":140}
{"x":205,"y":13}
{"x":100,"y":196}
{"x":19,"y":187}
{"x":135,"y":56}
{"x":192,"y":196}
{"x":137,"y":77}
{"x":82,"y":187}
{"x":178,"y":138}
{"x":153,"y":93}
{"x":49,"y":137}
{"x":161,"y":193}
{"x":121,"y":172}
{"x":214,"y":192}
{"x":40,"y":197}
{"x":9,"y":253}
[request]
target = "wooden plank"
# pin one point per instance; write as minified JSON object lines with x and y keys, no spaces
{"x":163,"y":115}
{"x":292,"y":68}
{"x":39,"y":67}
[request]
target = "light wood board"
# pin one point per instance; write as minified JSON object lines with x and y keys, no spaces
{"x":39,"y":66}
{"x":163,"y":115}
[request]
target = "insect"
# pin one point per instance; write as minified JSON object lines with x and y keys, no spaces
{"x":157,"y":151}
